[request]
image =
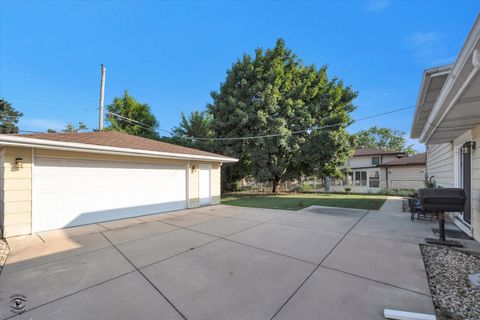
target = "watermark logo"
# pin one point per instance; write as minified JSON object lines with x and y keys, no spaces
{"x":18,"y":302}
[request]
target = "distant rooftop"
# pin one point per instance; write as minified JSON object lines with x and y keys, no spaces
{"x":418,"y":159}
{"x":374,"y":152}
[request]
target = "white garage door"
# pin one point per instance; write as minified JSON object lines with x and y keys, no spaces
{"x":69,"y":192}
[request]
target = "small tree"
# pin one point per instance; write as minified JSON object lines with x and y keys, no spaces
{"x":128,"y":115}
{"x":383,"y":138}
{"x":9,"y":117}
{"x":71,"y":128}
{"x":196,"y":125}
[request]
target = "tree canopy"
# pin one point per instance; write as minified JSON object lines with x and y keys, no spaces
{"x":128,"y":115}
{"x":383,"y":138}
{"x":71,"y":128}
{"x":274,"y":93}
{"x":9,"y":117}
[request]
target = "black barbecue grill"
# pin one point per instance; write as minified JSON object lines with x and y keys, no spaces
{"x":441,"y":200}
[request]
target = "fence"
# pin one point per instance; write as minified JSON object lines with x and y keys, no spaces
{"x":315,"y":184}
{"x":310,"y":184}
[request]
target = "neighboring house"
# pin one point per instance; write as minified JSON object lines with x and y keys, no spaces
{"x":57,"y":180}
{"x":363,"y":174}
{"x":370,"y":170}
{"x":447,"y":120}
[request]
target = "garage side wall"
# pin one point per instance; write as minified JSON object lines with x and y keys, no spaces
{"x":193,"y":185}
{"x":406,"y":177}
{"x":17,"y":192}
{"x":215,"y":185}
{"x":2,"y":180}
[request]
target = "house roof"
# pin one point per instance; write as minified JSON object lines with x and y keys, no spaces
{"x":374,"y":152}
{"x":418,"y":159}
{"x":110,"y":142}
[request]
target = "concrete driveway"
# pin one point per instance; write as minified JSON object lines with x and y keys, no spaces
{"x":222,"y":262}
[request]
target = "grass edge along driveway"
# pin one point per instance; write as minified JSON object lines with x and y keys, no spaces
{"x":298,"y":201}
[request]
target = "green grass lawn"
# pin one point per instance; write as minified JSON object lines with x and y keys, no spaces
{"x":299,"y":201}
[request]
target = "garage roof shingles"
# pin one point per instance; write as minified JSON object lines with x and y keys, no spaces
{"x":119,"y":140}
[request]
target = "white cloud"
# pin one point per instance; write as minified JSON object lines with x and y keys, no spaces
{"x":377,"y":5}
{"x":428,"y":48}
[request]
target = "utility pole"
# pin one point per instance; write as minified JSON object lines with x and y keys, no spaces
{"x":102,"y":95}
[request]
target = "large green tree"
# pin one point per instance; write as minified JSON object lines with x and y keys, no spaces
{"x":9,"y":117}
{"x":383,"y":138}
{"x":274,"y":93}
{"x":128,"y":115}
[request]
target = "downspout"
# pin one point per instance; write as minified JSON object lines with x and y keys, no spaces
{"x":386,"y":176}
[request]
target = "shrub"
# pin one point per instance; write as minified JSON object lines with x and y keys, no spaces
{"x":398,"y":192}
{"x":304,"y":187}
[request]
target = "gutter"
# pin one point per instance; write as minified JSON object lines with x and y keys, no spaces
{"x":15,"y":141}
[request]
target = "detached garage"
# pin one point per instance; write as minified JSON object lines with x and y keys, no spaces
{"x":51,"y":181}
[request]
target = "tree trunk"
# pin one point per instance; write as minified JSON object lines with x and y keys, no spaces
{"x":275,"y":183}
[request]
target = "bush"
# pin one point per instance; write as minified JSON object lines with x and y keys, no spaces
{"x":430,"y":184}
{"x":304,"y":187}
{"x":398,"y":192}
{"x":233,"y":186}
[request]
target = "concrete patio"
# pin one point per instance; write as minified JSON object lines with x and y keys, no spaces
{"x":224,"y":262}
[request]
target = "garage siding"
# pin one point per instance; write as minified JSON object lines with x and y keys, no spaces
{"x":406,"y":177}
{"x":17,"y":192}
{"x":16,"y":185}
{"x":193,"y":185}
{"x":215,"y":183}
{"x":2,"y":183}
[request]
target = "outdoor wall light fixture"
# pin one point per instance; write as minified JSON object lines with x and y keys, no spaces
{"x":467,"y":147}
{"x":18,"y":162}
{"x":193,"y":169}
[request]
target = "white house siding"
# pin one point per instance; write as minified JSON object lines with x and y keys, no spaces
{"x":366,"y":161}
{"x":440,"y":164}
{"x":476,"y":184}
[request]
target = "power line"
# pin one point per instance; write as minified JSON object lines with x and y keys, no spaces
{"x":141,"y":124}
{"x":315,"y":128}
{"x":305,"y":130}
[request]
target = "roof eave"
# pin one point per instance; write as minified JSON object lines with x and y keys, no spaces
{"x":442,"y":106}
{"x":6,"y":140}
{"x":427,"y":77}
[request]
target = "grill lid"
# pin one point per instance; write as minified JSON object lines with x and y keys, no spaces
{"x":442,"y":199}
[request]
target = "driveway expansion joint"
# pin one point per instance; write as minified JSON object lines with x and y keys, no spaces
{"x":148,"y":280}
{"x":318,"y":265}
{"x":377,"y":281}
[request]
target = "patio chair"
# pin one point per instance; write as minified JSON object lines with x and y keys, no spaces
{"x":416,"y":208}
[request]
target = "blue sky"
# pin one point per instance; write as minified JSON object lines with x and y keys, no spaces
{"x":172,"y":54}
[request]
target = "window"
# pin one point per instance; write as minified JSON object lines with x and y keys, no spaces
{"x":374,"y":180}
{"x":375,"y":161}
{"x":360,"y":178}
